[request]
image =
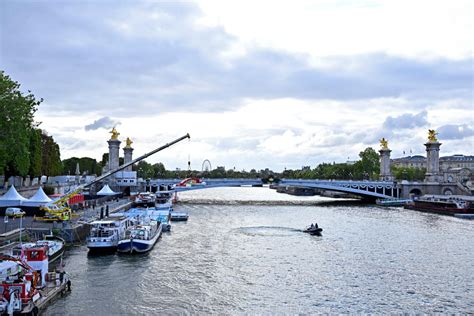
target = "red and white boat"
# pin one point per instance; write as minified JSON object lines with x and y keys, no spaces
{"x":22,"y":280}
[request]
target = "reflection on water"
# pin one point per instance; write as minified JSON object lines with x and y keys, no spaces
{"x":231,"y":259}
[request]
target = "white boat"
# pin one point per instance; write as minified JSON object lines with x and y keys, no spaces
{"x":145,"y":199}
{"x":105,"y":234}
{"x":54,"y":244}
{"x":392,"y":202}
{"x":159,"y":214}
{"x":164,"y":197}
{"x":140,"y":238}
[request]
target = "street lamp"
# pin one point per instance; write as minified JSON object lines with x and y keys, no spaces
{"x":21,"y":222}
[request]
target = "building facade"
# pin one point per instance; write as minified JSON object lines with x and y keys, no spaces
{"x":446,"y":163}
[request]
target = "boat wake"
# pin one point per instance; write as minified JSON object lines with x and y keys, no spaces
{"x":268,"y":231}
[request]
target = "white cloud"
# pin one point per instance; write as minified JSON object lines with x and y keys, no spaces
{"x":257,"y":84}
{"x":421,"y":29}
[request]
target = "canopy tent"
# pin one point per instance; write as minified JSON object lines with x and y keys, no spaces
{"x":39,"y":199}
{"x":106,"y":190}
{"x":12,"y":198}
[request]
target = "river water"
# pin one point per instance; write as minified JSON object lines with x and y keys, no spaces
{"x":231,"y":258}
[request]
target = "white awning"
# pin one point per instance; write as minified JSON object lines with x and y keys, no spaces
{"x":12,"y":195}
{"x":106,"y":190}
{"x":40,"y":196}
{"x":12,"y":198}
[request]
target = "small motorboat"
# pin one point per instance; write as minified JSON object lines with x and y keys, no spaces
{"x":313,"y":230}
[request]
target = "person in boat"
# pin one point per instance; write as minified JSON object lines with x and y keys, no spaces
{"x":315,"y":225}
{"x":312,"y":225}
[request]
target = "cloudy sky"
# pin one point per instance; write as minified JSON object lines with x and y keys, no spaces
{"x":256,"y":83}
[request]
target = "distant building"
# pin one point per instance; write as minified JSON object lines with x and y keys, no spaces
{"x":445,"y":163}
{"x":455,"y":168}
{"x":126,"y":178}
{"x":410,"y":162}
{"x":456,"y":161}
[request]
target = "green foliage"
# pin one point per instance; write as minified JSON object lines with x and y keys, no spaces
{"x":51,"y":160}
{"x":35,"y":153}
{"x":16,"y":125}
{"x":144,"y":170}
{"x":86,"y":164}
{"x":48,"y":190}
{"x":408,"y":173}
{"x":368,"y":167}
{"x":105,"y":159}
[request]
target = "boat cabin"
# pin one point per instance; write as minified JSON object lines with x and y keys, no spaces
{"x":37,"y":258}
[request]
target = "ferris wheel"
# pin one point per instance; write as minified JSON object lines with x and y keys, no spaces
{"x":206,"y":166}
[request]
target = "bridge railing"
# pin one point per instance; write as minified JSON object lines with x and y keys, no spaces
{"x":377,"y":189}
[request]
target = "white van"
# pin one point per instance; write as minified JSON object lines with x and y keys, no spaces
{"x":14,"y":211}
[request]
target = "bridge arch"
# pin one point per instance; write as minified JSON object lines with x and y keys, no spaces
{"x":416,"y":192}
{"x":447,"y":191}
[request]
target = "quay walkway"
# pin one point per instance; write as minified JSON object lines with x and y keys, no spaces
{"x":73,"y":231}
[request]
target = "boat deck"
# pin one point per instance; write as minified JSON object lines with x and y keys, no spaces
{"x":179,"y":216}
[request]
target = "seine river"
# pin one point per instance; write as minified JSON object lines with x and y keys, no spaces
{"x":252,"y":258}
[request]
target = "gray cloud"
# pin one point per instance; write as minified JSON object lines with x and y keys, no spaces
{"x":452,"y":131}
{"x":406,"y":121}
{"x":104,"y":122}
{"x":144,"y":58}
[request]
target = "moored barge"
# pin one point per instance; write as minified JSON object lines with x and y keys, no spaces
{"x":443,"y":204}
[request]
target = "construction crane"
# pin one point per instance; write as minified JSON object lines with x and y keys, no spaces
{"x":59,"y":210}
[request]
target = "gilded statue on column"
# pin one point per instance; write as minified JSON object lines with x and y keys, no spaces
{"x":432,"y":135}
{"x":384,"y":143}
{"x":114,"y":133}
{"x":129,"y":142}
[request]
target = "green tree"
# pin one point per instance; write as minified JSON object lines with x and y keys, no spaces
{"x":159,"y":170}
{"x":105,"y":159}
{"x":408,"y":173}
{"x":16,"y":125}
{"x":86,"y":164}
{"x":51,"y":157}
{"x":35,"y":153}
{"x":144,"y":169}
{"x":368,"y":167}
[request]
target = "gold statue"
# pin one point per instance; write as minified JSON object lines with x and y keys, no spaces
{"x":384,"y":143}
{"x":129,"y":142}
{"x":432,"y":135}
{"x":115,"y":134}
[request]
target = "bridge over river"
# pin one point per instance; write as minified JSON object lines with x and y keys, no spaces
{"x":366,"y":189}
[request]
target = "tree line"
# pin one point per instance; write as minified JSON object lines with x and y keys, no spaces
{"x":367,"y":168}
{"x":25,"y":149}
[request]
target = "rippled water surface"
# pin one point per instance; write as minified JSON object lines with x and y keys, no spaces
{"x":240,"y":259}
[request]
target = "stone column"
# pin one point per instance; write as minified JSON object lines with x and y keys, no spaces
{"x":78,"y":174}
{"x":432,"y":161}
{"x":385,"y":172}
{"x":127,"y":157}
{"x":114,"y":150}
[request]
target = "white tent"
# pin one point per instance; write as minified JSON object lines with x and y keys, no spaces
{"x":106,"y":190}
{"x":12,"y":198}
{"x":40,"y":198}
